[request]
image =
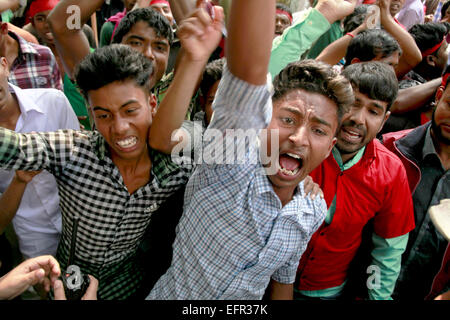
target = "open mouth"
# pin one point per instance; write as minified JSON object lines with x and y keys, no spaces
{"x":290,"y":164}
{"x":49,"y":36}
{"x":351,"y":135}
{"x":127,"y":143}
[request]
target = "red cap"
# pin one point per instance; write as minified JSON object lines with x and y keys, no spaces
{"x":159,"y":1}
{"x":39,"y":6}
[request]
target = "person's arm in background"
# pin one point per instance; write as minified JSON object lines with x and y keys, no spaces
{"x":12,"y":5}
{"x":72,"y":44}
{"x":298,"y":38}
{"x":23,"y":33}
{"x":415,"y":97}
{"x":199,"y":36}
{"x":411,"y":55}
{"x":336,"y":50}
{"x":11,"y":198}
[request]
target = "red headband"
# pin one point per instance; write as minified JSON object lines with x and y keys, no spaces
{"x":159,"y":1}
{"x":39,"y":6}
{"x":444,"y":79}
{"x":279,"y":11}
{"x":432,"y":50}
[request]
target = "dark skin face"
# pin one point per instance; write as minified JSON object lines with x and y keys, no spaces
{"x":282,"y":21}
{"x":143,"y":38}
{"x":361,"y":124}
{"x":306,"y":123}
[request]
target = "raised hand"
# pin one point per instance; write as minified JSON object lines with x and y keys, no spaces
{"x":334,"y":10}
{"x":200,"y":34}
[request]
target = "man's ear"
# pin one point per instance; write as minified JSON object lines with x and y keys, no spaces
{"x":431,"y":60}
{"x":439,"y":93}
{"x":333,"y":143}
{"x":153,"y":102}
{"x":386,"y":116}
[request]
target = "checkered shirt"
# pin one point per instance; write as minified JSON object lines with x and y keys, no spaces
{"x":235,"y":235}
{"x":34,"y":67}
{"x":111,"y":221}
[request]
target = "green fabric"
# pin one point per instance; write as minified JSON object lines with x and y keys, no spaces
{"x":387,"y":255}
{"x":7,"y":15}
{"x":77,"y":101}
{"x":330,"y":36}
{"x":106,"y":33}
{"x":296,"y":40}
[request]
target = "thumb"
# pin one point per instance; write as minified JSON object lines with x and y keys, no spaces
{"x":58,"y":290}
{"x":34,"y":277}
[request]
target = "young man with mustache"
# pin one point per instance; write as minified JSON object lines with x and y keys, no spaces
{"x":244,"y":228}
{"x":362,"y":181}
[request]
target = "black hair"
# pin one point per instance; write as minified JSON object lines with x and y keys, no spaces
{"x":355,"y":19}
{"x":213,"y":73}
{"x":444,"y":8}
{"x":284,"y":7}
{"x":116,"y":62}
{"x":427,"y":35}
{"x":370,"y":43}
{"x":155,"y":20}
{"x":317,"y":77}
{"x":375,"y":79}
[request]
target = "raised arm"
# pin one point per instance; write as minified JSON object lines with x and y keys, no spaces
{"x":66,"y":22}
{"x":9,"y":4}
{"x":336,"y":50}
{"x":415,"y":97}
{"x":250,"y":39}
{"x":199,"y":36}
{"x":411,"y":55}
{"x":298,"y":39}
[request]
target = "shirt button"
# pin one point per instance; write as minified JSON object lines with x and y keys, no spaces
{"x":312,"y":258}
{"x":322,"y":233}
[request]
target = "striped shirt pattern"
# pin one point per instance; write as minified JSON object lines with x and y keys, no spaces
{"x":111,"y":221}
{"x":235,"y":235}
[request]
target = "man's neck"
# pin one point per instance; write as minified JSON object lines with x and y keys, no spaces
{"x":284,"y":194}
{"x":136,"y":172}
{"x":443,"y":151}
{"x":9,"y":113}
{"x":10,"y":50}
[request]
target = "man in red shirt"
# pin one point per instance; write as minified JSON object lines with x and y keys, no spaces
{"x":361,"y":181}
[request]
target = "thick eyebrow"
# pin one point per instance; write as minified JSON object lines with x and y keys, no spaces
{"x":376,"y":105}
{"x":96,"y":108}
{"x":314,"y":118}
{"x":133,"y":36}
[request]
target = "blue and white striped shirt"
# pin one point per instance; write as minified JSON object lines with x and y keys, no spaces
{"x":235,"y":235}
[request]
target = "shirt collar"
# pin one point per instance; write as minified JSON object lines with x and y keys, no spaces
{"x":352,"y":162}
{"x":428,"y":146}
{"x":24,"y":46}
{"x":26,"y":104}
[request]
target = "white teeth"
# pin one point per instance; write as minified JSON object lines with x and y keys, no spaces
{"x":289,"y":172}
{"x":294,"y":156}
{"x":127,"y":143}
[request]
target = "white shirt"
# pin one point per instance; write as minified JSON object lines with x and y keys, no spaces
{"x":38,"y":219}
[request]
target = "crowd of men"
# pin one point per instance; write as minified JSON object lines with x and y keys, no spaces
{"x":211,"y":150}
